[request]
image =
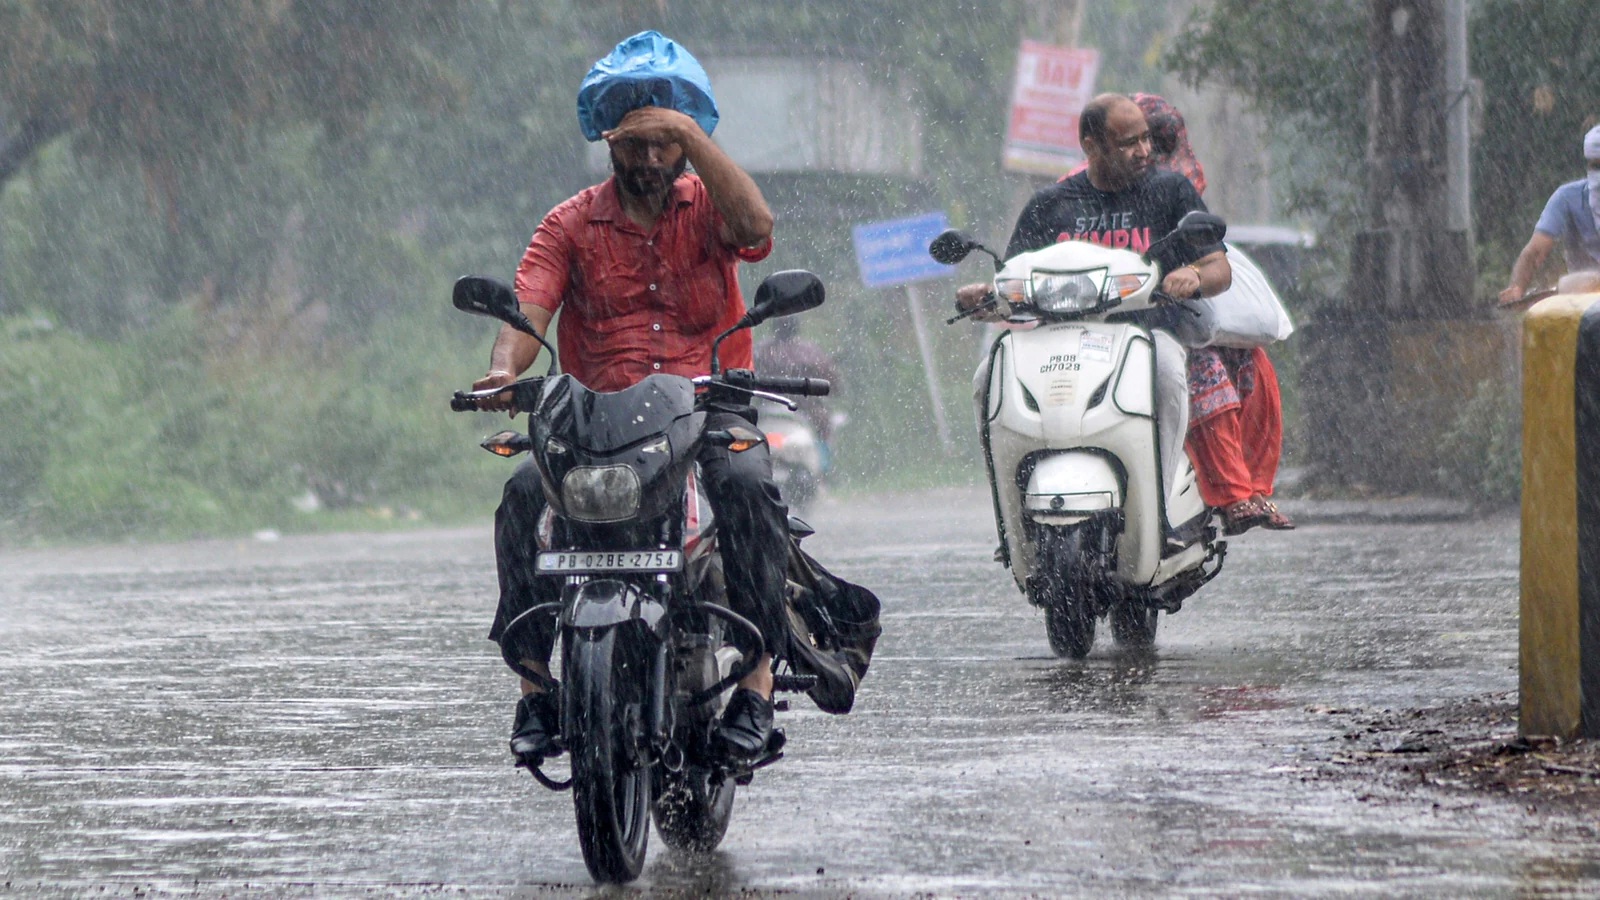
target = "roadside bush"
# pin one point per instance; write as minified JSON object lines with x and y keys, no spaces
{"x":1481,"y":453}
{"x":47,"y":376}
{"x":154,"y":436}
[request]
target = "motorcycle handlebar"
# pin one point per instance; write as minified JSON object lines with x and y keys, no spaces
{"x":801,"y":387}
{"x":746,"y":380}
{"x":524,"y":396}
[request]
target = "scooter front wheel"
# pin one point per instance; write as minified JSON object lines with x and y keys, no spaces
{"x":1069,"y":624}
{"x":1065,"y":588}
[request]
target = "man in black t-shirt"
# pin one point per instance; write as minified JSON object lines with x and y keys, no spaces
{"x":1129,"y":218}
{"x":1119,"y":201}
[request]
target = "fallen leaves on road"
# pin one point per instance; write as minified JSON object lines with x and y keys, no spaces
{"x":1469,"y":746}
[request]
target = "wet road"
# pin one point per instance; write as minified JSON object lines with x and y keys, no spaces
{"x":322,"y":715}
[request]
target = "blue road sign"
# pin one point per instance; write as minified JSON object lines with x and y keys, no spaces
{"x":896,"y":251}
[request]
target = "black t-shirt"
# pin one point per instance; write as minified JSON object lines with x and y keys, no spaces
{"x":1133,"y":218}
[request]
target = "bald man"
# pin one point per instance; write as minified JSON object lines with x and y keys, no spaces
{"x":1121,"y":201}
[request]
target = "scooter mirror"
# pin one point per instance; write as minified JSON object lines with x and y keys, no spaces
{"x":784,"y":294}
{"x":952,"y":246}
{"x":485,"y":297}
{"x":1202,"y":229}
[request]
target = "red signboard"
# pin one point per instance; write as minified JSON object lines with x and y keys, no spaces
{"x":1052,"y":86}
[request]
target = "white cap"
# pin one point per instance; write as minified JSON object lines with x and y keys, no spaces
{"x":1591,"y":143}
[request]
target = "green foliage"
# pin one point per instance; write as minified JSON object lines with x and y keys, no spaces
{"x":155,"y":80}
{"x":1480,"y":456}
{"x":1304,"y":66}
{"x":147,"y":436}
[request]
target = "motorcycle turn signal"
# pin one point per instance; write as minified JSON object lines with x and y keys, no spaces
{"x":506,"y":443}
{"x":738,"y":439}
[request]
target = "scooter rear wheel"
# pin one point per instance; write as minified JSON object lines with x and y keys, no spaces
{"x":1133,"y":624}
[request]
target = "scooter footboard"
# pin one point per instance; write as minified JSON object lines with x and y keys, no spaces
{"x":1066,"y":488}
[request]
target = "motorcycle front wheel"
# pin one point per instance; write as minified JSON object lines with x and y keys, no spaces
{"x":611,"y":784}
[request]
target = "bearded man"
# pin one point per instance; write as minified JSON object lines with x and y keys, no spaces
{"x":642,"y":268}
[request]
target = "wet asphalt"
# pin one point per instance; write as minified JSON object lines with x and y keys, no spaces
{"x":323,"y":716}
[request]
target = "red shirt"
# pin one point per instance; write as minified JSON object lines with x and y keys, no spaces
{"x":636,"y":302}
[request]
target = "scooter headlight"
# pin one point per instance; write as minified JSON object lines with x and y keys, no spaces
{"x":1068,"y":292}
{"x":601,"y":493}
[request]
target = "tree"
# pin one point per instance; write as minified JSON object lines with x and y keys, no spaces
{"x":1540,"y":69}
{"x":1305,"y":65}
{"x":159,"y":81}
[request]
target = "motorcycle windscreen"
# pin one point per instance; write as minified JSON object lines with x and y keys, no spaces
{"x":601,"y":422}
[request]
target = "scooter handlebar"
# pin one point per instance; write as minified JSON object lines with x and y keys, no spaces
{"x":1162,"y":298}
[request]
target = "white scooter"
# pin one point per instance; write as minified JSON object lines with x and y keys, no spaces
{"x":1067,"y":413}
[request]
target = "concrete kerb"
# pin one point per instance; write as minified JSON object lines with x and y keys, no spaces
{"x":1387,"y":511}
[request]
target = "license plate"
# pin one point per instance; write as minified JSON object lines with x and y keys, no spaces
{"x":609,"y":561}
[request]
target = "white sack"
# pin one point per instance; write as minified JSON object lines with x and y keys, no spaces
{"x":1247,"y":314}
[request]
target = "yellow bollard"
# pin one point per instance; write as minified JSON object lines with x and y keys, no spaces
{"x":1560,"y":609}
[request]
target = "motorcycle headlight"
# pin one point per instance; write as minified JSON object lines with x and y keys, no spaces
{"x":600,"y":493}
{"x":1065,"y":292}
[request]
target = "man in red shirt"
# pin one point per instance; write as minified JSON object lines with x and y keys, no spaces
{"x":641,"y":267}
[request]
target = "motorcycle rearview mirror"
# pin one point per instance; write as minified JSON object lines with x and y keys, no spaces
{"x":785,"y":294}
{"x":1196,"y":228}
{"x":953,"y":245}
{"x":780,"y":294}
{"x":483,"y":296}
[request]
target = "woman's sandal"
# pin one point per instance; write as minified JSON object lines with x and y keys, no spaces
{"x":1237,"y":518}
{"x":1276,"y":520}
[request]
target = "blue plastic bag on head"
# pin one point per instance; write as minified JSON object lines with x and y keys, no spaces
{"x":647,"y":69}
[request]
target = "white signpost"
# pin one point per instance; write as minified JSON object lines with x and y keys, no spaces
{"x":895,"y":253}
{"x":1052,"y":86}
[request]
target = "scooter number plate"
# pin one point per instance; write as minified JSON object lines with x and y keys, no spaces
{"x":609,"y":561}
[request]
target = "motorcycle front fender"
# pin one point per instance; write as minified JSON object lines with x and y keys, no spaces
{"x":606,"y":602}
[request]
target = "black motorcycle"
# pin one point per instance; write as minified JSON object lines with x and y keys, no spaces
{"x":649,"y":647}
